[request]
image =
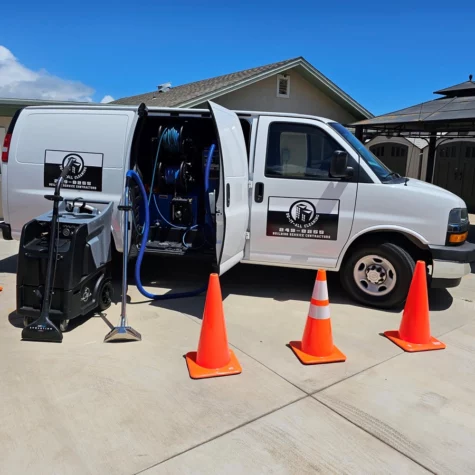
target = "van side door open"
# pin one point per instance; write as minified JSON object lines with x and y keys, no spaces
{"x":300,"y":214}
{"x":232,"y":206}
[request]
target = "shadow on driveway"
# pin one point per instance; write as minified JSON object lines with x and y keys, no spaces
{"x":278,"y":283}
{"x":9,"y":264}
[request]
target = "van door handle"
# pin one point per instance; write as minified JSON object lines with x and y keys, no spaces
{"x":259,"y":192}
{"x":228,"y":195}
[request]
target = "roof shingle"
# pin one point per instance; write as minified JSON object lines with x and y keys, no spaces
{"x":176,"y":96}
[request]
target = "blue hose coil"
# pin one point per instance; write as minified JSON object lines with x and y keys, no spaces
{"x":171,"y":140}
{"x":170,"y":137}
{"x":132,"y":174}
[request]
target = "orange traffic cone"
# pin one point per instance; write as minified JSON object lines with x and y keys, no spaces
{"x":317,"y":342}
{"x":214,"y":357}
{"x":414,"y":331}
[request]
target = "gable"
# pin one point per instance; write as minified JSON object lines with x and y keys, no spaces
{"x":304,"y":98}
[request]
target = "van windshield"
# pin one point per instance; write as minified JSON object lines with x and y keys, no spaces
{"x":379,"y":168}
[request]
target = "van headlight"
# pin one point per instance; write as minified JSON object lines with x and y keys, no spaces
{"x":457,"y":227}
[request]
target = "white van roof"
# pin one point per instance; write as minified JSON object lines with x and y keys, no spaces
{"x":181,"y":111}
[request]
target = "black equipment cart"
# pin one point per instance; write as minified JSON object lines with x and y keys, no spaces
{"x":81,"y":258}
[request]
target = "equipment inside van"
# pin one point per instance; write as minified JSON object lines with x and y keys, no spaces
{"x":176,"y":184}
{"x":63,"y":264}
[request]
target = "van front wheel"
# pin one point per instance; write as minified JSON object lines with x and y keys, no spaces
{"x":378,"y":275}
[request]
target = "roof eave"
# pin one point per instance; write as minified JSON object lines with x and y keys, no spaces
{"x":27,"y":102}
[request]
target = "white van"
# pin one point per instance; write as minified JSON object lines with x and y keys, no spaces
{"x":281,"y":189}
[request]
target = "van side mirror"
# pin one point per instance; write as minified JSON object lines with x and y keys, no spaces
{"x":339,"y":165}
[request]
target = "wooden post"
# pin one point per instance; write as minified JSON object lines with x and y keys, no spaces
{"x":431,"y":158}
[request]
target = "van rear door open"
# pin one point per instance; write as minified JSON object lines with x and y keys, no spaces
{"x":232,"y":205}
{"x":43,"y":138}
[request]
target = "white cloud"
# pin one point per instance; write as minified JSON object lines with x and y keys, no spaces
{"x":107,"y":99}
{"x":17,"y":81}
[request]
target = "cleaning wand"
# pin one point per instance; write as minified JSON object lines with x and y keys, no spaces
{"x":123,"y":332}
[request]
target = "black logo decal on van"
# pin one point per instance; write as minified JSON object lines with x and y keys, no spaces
{"x":303,"y":218}
{"x":85,"y":174}
{"x":302,"y":214}
{"x":78,"y":169}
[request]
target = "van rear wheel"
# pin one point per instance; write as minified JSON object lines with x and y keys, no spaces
{"x":378,"y":275}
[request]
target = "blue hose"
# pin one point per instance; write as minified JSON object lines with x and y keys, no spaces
{"x":208,"y":220}
{"x":209,"y":159}
{"x":132,"y":174}
{"x":154,"y":170}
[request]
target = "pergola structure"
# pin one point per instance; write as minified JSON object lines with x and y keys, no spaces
{"x":454,"y":113}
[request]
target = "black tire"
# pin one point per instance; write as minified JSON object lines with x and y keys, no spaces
{"x":403,"y":265}
{"x":105,"y":295}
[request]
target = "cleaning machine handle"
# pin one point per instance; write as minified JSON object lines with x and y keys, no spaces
{"x":59,"y":182}
{"x":64,"y":174}
{"x":82,"y":200}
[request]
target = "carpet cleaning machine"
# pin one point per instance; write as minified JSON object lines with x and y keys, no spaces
{"x":65,"y":255}
{"x":63,"y":265}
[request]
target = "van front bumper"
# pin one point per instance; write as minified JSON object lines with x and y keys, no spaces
{"x":451,"y":263}
{"x":6,"y":231}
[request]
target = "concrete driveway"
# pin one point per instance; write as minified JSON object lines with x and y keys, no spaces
{"x":85,"y":407}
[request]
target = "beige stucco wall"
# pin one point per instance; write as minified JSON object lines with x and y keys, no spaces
{"x":413,"y":155}
{"x":5,"y":121}
{"x":304,"y":98}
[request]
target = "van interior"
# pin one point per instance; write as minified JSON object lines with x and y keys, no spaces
{"x":178,"y":159}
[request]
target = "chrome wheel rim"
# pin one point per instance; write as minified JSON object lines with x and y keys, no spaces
{"x":375,"y":275}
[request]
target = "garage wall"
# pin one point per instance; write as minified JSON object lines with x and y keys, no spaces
{"x":413,"y":155}
{"x":304,"y":98}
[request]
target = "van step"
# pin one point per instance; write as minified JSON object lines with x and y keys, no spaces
{"x":165,"y":248}
{"x":175,"y":249}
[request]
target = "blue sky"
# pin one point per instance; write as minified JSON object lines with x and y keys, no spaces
{"x":385,"y":57}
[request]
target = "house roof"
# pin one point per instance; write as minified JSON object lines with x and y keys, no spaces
{"x":7,"y":101}
{"x":195,"y":93}
{"x":8,"y":106}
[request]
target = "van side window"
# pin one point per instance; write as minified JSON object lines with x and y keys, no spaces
{"x":299,"y":151}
